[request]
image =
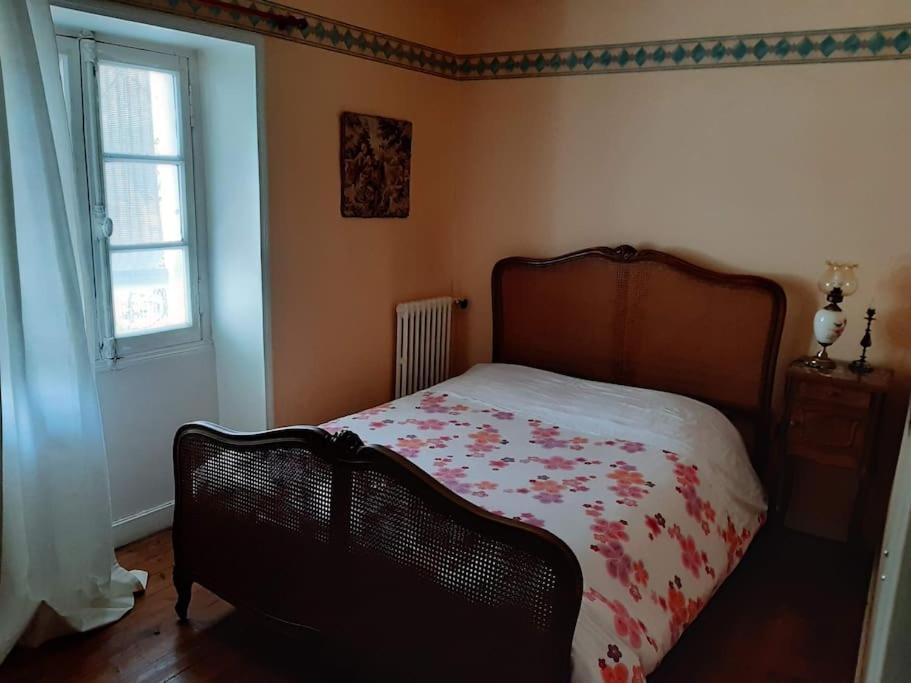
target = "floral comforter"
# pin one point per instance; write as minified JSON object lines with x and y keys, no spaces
{"x":652,"y":491}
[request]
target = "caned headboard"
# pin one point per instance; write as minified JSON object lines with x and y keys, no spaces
{"x":646,"y":319}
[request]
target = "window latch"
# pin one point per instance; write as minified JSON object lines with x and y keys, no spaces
{"x":104,"y":226}
{"x":109,"y":348}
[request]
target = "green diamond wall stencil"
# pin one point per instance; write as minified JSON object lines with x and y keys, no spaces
{"x":902,"y":41}
{"x":828,"y":45}
{"x":805,"y":47}
{"x":872,"y":43}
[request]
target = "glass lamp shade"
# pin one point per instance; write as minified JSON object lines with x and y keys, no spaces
{"x":839,"y":275}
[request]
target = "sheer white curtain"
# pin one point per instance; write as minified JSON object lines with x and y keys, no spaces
{"x":57,"y":567}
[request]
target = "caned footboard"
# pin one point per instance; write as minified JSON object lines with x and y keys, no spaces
{"x":321,"y":532}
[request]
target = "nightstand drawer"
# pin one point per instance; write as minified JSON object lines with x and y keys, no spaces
{"x":827,"y":437}
{"x":817,"y":391}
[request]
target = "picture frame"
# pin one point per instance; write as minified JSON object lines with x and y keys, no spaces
{"x":375,"y":166}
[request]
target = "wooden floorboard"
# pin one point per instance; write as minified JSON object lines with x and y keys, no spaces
{"x":791,"y":613}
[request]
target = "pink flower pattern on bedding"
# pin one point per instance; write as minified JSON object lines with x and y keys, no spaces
{"x":654,"y":533}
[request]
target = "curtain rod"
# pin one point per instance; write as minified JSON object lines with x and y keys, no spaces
{"x":283,"y":22}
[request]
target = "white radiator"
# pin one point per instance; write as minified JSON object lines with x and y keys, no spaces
{"x":422,"y":344}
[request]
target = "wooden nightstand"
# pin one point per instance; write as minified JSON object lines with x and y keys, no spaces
{"x":829,"y":441}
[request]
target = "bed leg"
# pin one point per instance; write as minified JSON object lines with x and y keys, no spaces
{"x":184,"y":586}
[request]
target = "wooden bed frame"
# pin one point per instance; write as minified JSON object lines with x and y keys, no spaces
{"x":408,"y":581}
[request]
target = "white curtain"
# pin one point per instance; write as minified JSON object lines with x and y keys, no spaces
{"x":57,"y":568}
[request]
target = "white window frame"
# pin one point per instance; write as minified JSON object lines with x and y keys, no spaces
{"x":83,"y":54}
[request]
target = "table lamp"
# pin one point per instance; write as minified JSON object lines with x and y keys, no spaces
{"x":837,"y":281}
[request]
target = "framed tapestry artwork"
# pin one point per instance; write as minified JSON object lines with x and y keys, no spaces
{"x":375,"y":166}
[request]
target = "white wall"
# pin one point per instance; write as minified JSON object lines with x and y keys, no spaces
{"x":143,"y":402}
{"x":889,"y":655}
{"x":142,"y":405}
{"x":227,"y":85}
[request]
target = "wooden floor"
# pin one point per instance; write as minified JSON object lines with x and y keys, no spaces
{"x":792,"y":612}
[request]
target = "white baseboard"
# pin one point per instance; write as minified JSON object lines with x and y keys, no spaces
{"x":143,"y":523}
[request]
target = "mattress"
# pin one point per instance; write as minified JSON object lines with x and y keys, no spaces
{"x":653,"y":492}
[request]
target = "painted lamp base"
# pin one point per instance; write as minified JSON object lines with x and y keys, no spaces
{"x":828,"y":325}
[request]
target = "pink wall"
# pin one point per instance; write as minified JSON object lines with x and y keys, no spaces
{"x":764,"y":170}
{"x":524,"y":24}
{"x":751,"y":169}
{"x":335,"y":281}
{"x":760,"y":170}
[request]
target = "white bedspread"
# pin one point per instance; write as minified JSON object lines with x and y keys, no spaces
{"x":653,"y":492}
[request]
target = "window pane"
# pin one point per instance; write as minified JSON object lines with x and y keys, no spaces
{"x":138,"y":110}
{"x":143,"y":201}
{"x":151,"y":290}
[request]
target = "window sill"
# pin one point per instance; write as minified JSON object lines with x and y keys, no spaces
{"x":124,"y":362}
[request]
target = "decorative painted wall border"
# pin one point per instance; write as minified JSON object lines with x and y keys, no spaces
{"x":869,"y":43}
{"x":874,"y":43}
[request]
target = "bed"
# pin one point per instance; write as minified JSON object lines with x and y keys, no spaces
{"x":560,"y":514}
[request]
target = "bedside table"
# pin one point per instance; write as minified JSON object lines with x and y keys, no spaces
{"x":830,"y":429}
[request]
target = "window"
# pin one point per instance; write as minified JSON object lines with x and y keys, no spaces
{"x":135,"y":124}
